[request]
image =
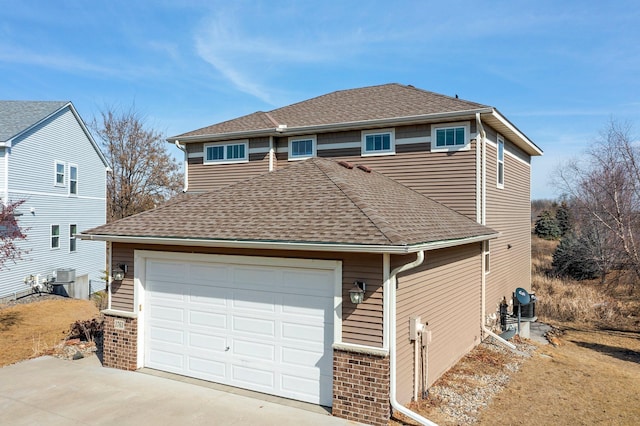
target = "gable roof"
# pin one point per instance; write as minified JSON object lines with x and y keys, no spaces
{"x":17,"y":117}
{"x":373,"y":106}
{"x":317,"y":204}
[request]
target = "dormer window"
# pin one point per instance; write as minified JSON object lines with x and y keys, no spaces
{"x":450,"y":137}
{"x":301,"y":148}
{"x":226,"y":152}
{"x":378,"y":142}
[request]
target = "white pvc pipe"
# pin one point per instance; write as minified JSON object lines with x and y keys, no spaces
{"x":391,"y":284}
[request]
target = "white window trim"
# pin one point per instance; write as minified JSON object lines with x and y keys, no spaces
{"x":363,"y":142}
{"x":467,"y":136}
{"x":51,"y":236}
{"x":73,"y":237}
{"x":314,"y":147}
{"x":244,"y":142}
{"x":77,"y":170}
{"x":487,"y":257}
{"x":55,"y":173}
{"x":498,"y":162}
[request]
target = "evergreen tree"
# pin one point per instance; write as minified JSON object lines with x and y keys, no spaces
{"x":547,"y":226}
{"x":563,"y":218}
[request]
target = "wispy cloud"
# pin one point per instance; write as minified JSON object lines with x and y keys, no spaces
{"x":62,"y":62}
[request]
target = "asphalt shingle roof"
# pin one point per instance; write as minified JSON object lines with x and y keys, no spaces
{"x":386,"y":101}
{"x":313,"y":201}
{"x":17,"y":116}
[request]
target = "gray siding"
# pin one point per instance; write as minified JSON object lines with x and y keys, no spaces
{"x":31,"y":177}
{"x":445,"y":293}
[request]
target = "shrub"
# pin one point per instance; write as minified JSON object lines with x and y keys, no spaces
{"x":87,"y":330}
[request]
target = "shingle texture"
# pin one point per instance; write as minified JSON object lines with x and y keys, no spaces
{"x":355,"y":105}
{"x":17,"y":116}
{"x":313,"y":201}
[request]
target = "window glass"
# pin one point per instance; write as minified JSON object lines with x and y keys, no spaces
{"x":55,"y":236}
{"x":235,"y":152}
{"x":500,"y":163}
{"x":72,"y":237}
{"x":302,"y":148}
{"x":380,"y":142}
{"x":59,"y":173}
{"x":226,"y":152}
{"x":215,"y":153}
{"x":73,"y":180}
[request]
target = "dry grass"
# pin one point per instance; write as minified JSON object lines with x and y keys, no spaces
{"x":30,"y":330}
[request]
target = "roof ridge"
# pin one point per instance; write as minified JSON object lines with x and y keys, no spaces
{"x":371,"y":213}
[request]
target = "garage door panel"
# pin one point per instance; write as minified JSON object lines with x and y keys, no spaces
{"x":262,"y":380}
{"x":207,"y":341}
{"x":217,"y":321}
{"x":260,"y":327}
{"x":166,"y":271}
{"x":206,"y":368}
{"x":259,"y":301}
{"x":261,"y":351}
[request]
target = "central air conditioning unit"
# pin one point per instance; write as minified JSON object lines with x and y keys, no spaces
{"x":65,"y":275}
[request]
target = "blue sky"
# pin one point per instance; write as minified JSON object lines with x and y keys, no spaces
{"x":558,"y":70}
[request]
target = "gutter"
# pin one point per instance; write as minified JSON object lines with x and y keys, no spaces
{"x":276,"y":245}
{"x":183,"y":148}
{"x":483,"y":221}
{"x":390,"y":288}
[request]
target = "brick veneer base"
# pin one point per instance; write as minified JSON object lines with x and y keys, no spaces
{"x":361,"y":387}
{"x":120,"y":346}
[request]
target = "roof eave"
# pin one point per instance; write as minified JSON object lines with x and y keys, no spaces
{"x":299,"y":246}
{"x":351,"y":125}
{"x":505,"y":126}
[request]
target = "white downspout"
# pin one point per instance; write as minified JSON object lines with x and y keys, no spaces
{"x":390,"y":289}
{"x":5,"y":189}
{"x":271,"y":153}
{"x":183,"y":148}
{"x":483,"y":221}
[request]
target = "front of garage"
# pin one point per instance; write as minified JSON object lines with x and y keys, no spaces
{"x":265,"y":324}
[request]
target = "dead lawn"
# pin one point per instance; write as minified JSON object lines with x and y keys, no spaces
{"x":30,"y":330}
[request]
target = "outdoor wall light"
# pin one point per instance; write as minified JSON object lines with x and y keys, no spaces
{"x":118,"y":273}
{"x":357,"y":292}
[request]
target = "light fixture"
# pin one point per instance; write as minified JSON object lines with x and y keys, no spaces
{"x":119,"y":272}
{"x":357,"y":292}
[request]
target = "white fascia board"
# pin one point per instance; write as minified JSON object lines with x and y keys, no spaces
{"x":534,"y":149}
{"x":351,"y":125}
{"x":275,"y":245}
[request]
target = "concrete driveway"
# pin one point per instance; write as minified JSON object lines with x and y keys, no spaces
{"x":50,"y":391}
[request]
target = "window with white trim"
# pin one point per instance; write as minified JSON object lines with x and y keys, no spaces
{"x":228,"y":152}
{"x":73,"y":230}
{"x":378,"y":142}
{"x":500,"y":169}
{"x":73,"y":179}
{"x":55,"y":236}
{"x":302,"y":147}
{"x":450,"y":137}
{"x":58,"y":179}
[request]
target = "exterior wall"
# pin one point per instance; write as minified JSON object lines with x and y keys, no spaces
{"x":445,"y":292}
{"x":449,"y":178}
{"x":31,"y":177}
{"x":508,"y":211}
{"x":120,"y":342}
{"x":206,"y":177}
{"x":361,"y":324}
{"x":361,"y":387}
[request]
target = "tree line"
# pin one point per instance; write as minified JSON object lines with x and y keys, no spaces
{"x":598,"y":219}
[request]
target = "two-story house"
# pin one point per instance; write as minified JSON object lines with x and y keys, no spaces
{"x":49,"y":159}
{"x":345,"y":250}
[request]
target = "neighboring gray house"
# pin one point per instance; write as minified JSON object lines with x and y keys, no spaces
{"x":49,"y":159}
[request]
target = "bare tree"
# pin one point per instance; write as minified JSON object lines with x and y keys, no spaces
{"x":10,"y":234}
{"x":144,"y":173}
{"x":605,"y":190}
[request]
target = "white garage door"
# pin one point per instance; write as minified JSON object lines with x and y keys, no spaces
{"x":254,"y":326}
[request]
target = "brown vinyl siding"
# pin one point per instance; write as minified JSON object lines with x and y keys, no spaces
{"x":361,"y":324}
{"x":508,"y":211}
{"x":445,"y":293}
{"x":206,"y":177}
